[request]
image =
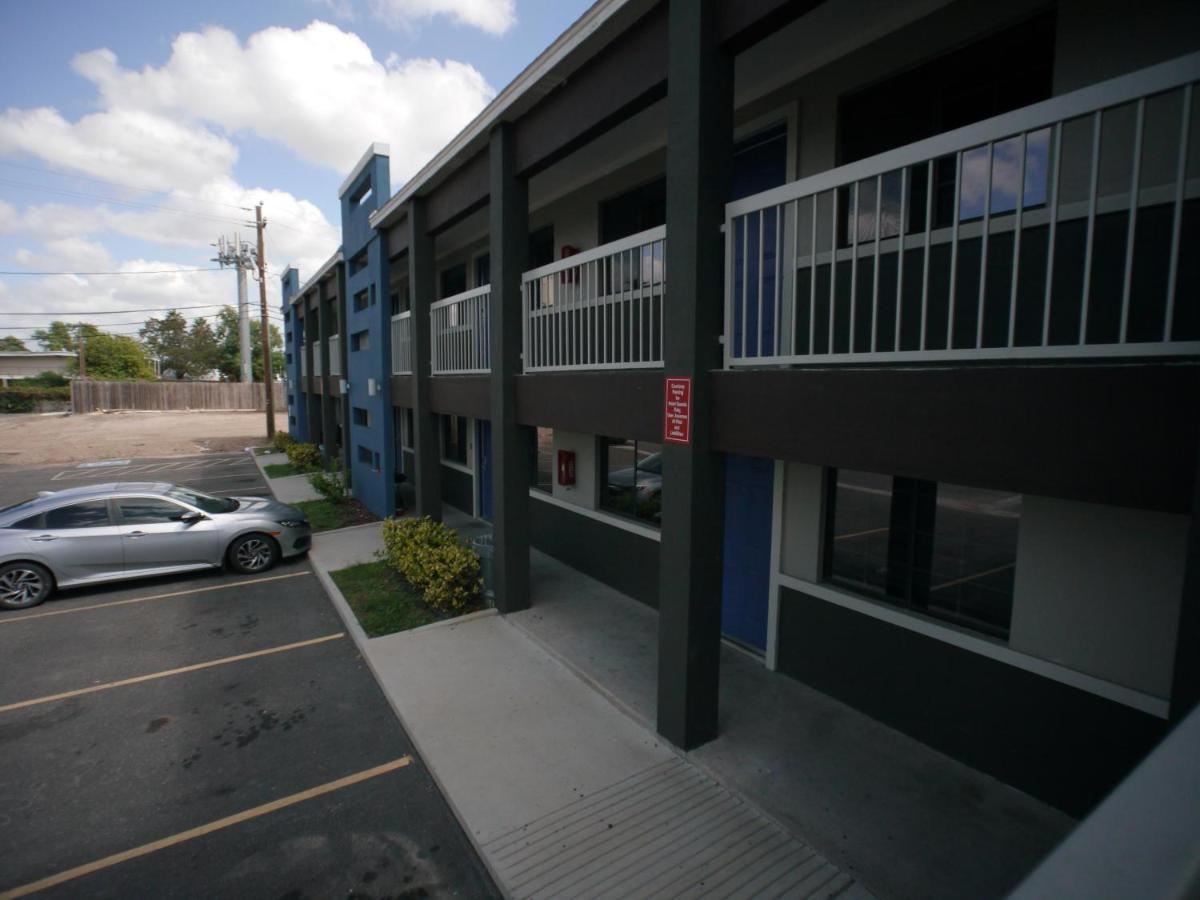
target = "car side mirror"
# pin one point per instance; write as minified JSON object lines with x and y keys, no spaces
{"x":191,"y":516}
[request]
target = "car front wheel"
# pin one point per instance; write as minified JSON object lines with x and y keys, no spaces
{"x":24,"y":584}
{"x":252,"y":553}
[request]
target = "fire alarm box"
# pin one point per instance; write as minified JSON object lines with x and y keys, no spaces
{"x":566,"y":467}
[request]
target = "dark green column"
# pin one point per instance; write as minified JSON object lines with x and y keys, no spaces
{"x":509,"y":223}
{"x":699,"y":154}
{"x":328,"y":424}
{"x":428,"y":466}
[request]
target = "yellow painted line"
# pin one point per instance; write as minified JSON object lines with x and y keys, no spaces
{"x":7,"y":620}
{"x":192,"y":833}
{"x":854,"y":534}
{"x":972,"y":577}
{"x":138,"y":679}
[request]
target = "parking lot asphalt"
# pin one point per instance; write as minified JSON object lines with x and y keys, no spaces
{"x":211,"y":735}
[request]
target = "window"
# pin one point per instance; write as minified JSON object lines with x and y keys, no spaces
{"x":406,"y":428}
{"x":361,"y":301}
{"x":360,"y":340}
{"x":149,"y":511}
{"x":362,"y":417}
{"x":29,"y":524}
{"x":454,"y":439}
{"x":634,"y":211}
{"x":946,"y":550}
{"x":365,"y":455}
{"x":206,"y":502}
{"x":454,"y":280}
{"x":543,"y":460}
{"x":399,"y":299}
{"x":362,"y":195}
{"x":358,"y":262}
{"x":92,"y":514}
{"x":632,"y":478}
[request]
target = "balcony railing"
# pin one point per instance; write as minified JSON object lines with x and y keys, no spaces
{"x":335,"y":354}
{"x":1052,"y":231}
{"x":402,"y":348}
{"x":601,"y":309}
{"x":316,"y":355}
{"x":460,"y":330}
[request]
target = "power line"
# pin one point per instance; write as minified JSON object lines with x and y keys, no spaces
{"x":130,"y":203}
{"x":121,"y":184}
{"x":138,"y":272}
{"x":74,"y":313}
{"x":273,"y":316}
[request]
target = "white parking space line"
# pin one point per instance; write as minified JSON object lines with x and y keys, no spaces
{"x":201,"y":830}
{"x":168,"y":673}
{"x":9,"y":620}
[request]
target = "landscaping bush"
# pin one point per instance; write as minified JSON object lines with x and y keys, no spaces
{"x":331,"y":483}
{"x":282,"y":441}
{"x":44,"y":380}
{"x":303,"y":457}
{"x":20,"y":400}
{"x":429,"y":556}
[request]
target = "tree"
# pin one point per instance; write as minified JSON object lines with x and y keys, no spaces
{"x":11,"y":342}
{"x":115,"y":357}
{"x":62,"y":335}
{"x":229,"y":363}
{"x":204,"y":353}
{"x":167,"y":338}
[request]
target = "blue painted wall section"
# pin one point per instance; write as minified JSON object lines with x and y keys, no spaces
{"x":368,"y":333}
{"x":292,"y":336}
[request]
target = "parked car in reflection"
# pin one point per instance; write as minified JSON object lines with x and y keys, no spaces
{"x":109,"y":532}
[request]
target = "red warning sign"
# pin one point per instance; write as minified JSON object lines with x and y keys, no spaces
{"x":677,"y":428}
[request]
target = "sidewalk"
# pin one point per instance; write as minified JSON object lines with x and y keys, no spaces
{"x":563,"y":793}
{"x":289,"y":488}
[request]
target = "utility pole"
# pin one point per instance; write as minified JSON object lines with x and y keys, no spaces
{"x":268,"y":378}
{"x":238,"y":253}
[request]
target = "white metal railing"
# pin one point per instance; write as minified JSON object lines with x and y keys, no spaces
{"x":1051,"y":231}
{"x":335,"y":354}
{"x":316,"y":355}
{"x":402,"y":347}
{"x":601,"y":309}
{"x":460,"y":330}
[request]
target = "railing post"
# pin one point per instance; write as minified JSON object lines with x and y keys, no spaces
{"x":511,"y":443}
{"x":699,"y":156}
{"x":428,"y":485}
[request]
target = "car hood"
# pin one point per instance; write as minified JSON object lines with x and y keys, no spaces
{"x":265,"y":506}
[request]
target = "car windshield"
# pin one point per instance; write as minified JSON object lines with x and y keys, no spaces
{"x":206,"y":502}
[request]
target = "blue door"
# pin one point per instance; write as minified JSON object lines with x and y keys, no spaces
{"x":485,"y":470}
{"x":749,"y":486}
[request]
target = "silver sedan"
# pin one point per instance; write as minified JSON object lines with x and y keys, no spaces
{"x":109,"y":532}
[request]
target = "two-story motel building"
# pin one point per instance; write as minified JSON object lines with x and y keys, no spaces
{"x":932,"y":270}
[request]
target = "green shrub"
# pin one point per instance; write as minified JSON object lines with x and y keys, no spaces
{"x":45,"y":380}
{"x":303,"y":457}
{"x":429,"y":556}
{"x":282,"y":441}
{"x":25,"y":399}
{"x":331,"y":483}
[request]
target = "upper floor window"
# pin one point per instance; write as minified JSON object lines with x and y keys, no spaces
{"x":454,"y":280}
{"x":358,"y":262}
{"x":541,"y":248}
{"x":637,"y":210}
{"x":454,"y":439}
{"x":945,"y":550}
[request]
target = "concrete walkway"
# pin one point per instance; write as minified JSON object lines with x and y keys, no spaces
{"x":539,"y":728}
{"x":290,"y":488}
{"x":564,"y":794}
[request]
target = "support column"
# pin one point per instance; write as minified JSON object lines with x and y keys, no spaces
{"x":328,"y":426}
{"x":699,"y":159}
{"x":508,"y":215}
{"x":428,"y":465}
{"x":1185,"y":685}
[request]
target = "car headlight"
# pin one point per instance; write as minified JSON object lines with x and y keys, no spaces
{"x":294,"y":523}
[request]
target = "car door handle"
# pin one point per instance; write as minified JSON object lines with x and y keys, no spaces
{"x":138,"y":533}
{"x":44,"y":537}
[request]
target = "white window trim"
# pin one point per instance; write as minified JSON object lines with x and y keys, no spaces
{"x":615,"y":521}
{"x":1147,"y":703}
{"x":457,"y":466}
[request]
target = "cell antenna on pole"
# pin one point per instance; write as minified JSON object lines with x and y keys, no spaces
{"x":238,"y":253}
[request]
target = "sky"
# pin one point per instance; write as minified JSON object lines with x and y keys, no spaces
{"x":134,"y":134}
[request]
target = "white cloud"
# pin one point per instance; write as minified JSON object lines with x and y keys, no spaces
{"x":317,"y":90}
{"x":492,"y":16}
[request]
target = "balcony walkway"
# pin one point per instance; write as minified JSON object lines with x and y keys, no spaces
{"x":537,"y":726}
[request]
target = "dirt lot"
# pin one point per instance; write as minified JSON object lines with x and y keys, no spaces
{"x":34,"y":440}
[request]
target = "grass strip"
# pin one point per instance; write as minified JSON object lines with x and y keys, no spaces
{"x":383,"y":602}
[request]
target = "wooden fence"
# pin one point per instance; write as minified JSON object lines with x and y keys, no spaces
{"x":93,"y":396}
